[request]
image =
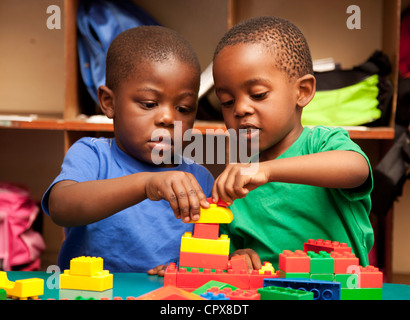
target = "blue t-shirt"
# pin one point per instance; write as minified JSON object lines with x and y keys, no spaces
{"x":133,"y":240}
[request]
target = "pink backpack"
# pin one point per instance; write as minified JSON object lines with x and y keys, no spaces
{"x":20,"y":245}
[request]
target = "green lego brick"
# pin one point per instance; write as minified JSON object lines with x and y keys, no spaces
{"x":279,"y":293}
{"x":293,"y":275}
{"x":350,"y":281}
{"x":321,"y":262}
{"x":362,"y":294}
{"x":3,"y":294}
{"x":212,"y":284}
{"x":322,"y":276}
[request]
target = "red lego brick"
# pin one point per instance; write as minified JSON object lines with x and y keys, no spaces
{"x":370,"y":277}
{"x":170,"y":276}
{"x":325,"y":245}
{"x":195,"y":278}
{"x":238,"y":263}
{"x":191,"y":280}
{"x":297,"y":261}
{"x":343,"y":260}
{"x":203,"y":260}
{"x":206,"y":230}
{"x":256,"y":279}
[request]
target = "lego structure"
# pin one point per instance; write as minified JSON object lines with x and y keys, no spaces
{"x":320,"y":270}
{"x":20,"y":289}
{"x":86,"y":273}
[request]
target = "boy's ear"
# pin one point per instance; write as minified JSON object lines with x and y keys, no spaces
{"x":106,"y":100}
{"x":306,"y":88}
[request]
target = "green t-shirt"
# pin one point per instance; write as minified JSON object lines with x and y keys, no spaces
{"x":282,"y":216}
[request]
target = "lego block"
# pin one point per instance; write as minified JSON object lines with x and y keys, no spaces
{"x":238,"y":263}
{"x":321,"y":262}
{"x":86,"y":266}
{"x":266,"y":266}
{"x":237,"y":294}
{"x":22,"y":289}
{"x":322,"y":290}
{"x":203,"y":260}
{"x":3,"y":294}
{"x":214,"y":296}
{"x":325,"y":245}
{"x":214,"y":214}
{"x":169,"y":293}
{"x":214,"y":285}
{"x":343,"y":260}
{"x":362,"y":294}
{"x":191,"y":280}
{"x":100,"y":282}
{"x":297,"y":261}
{"x":206,"y":230}
{"x":322,"y":276}
{"x":256,"y":279}
{"x":293,"y":275}
{"x":191,"y":244}
{"x":369,"y":277}
{"x":280,"y":293}
{"x":350,"y":281}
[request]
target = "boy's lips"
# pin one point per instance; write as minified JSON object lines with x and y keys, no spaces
{"x":160,"y":143}
{"x":248,"y":130}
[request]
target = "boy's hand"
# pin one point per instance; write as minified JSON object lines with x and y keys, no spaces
{"x":237,"y":180}
{"x":158,"y":270}
{"x":252,"y":258}
{"x":181,"y":190}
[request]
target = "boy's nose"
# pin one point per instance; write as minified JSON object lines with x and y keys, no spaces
{"x":242,"y":107}
{"x":165,"y":116}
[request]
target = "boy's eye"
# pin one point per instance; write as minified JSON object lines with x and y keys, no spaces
{"x":184,"y":109}
{"x":259,"y":96}
{"x":228,"y":103}
{"x":148,"y":105}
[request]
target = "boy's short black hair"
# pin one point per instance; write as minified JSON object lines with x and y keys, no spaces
{"x":283,"y":38}
{"x":145,"y":44}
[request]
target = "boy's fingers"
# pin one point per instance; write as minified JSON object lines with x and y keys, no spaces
{"x":158,"y":270}
{"x":256,"y":261}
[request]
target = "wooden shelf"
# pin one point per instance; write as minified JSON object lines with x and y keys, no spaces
{"x":379,"y":133}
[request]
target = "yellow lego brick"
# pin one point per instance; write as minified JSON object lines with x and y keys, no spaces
{"x":22,"y":289}
{"x":267,"y":266}
{"x":86,"y":266}
{"x":210,"y":246}
{"x":100,"y":282}
{"x":214,"y":214}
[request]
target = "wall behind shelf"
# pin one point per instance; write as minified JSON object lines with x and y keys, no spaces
{"x":32,"y":63}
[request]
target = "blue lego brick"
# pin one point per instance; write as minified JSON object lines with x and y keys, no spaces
{"x":322,"y":290}
{"x":212,"y":296}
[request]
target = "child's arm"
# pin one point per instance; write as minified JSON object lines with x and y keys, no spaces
{"x":329,"y":169}
{"x":75,"y":204}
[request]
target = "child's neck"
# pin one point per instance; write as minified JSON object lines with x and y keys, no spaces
{"x":276,"y":150}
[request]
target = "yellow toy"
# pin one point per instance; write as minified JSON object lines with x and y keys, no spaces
{"x":216,"y":213}
{"x":86,"y":273}
{"x":22,"y":289}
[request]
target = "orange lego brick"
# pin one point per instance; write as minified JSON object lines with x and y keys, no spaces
{"x":297,"y":261}
{"x":203,"y":260}
{"x":206,"y":231}
{"x":343,"y":260}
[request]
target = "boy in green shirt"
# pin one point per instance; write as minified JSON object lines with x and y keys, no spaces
{"x":311,"y":183}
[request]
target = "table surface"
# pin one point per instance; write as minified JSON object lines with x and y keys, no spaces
{"x":136,"y":284}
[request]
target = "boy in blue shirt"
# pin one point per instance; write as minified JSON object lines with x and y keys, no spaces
{"x":311,"y":183}
{"x":115,"y":197}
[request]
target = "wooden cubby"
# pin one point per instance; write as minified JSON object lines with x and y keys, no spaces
{"x":202,"y":22}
